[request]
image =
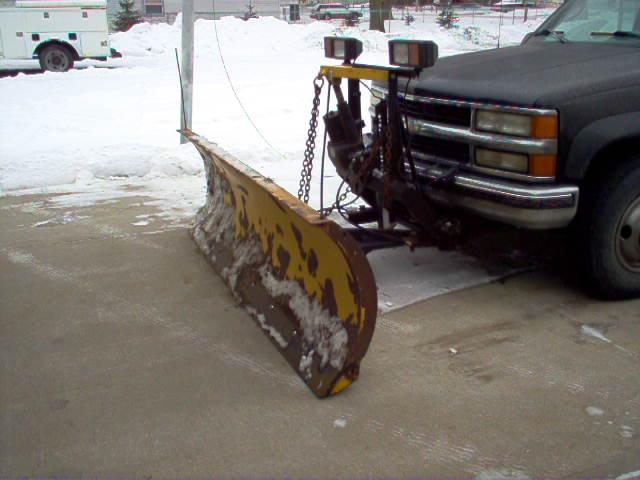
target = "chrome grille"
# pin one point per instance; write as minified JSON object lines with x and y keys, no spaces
{"x":443,"y":133}
{"x":440,"y":113}
{"x":435,"y":149}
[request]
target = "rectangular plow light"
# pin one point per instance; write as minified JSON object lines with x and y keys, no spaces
{"x":413,"y":53}
{"x":342,"y":48}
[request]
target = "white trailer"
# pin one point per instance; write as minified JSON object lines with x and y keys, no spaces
{"x":55,"y":32}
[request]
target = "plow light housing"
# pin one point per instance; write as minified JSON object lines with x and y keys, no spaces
{"x":413,"y":53}
{"x":342,"y":48}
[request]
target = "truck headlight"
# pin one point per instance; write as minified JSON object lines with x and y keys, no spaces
{"x":535,"y":126}
{"x":512,"y":162}
{"x":506,"y":123}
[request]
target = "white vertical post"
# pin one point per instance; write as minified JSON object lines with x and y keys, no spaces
{"x":186,"y":104}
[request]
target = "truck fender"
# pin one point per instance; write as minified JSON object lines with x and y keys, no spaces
{"x":46,"y":43}
{"x":592,"y":139}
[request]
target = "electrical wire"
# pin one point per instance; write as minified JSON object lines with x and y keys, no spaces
{"x":409,"y":138}
{"x":324,"y":147}
{"x":184,"y":113}
{"x":235,"y":94}
{"x":366,"y":86}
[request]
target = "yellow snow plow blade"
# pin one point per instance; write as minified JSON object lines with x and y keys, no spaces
{"x":306,"y":282}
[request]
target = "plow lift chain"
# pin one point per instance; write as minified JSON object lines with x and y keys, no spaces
{"x":358,"y":177}
{"x":309,"y":153}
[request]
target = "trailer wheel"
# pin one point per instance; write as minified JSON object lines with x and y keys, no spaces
{"x":609,"y":233}
{"x":55,"y":58}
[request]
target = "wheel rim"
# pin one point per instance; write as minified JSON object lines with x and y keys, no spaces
{"x":56,"y":61}
{"x":628,"y":237}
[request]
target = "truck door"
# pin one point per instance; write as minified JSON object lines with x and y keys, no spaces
{"x":12,"y":35}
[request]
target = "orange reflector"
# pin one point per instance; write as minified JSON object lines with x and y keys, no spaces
{"x":414,"y":54}
{"x":328,"y":47}
{"x":545,"y":127}
{"x":542,"y":165}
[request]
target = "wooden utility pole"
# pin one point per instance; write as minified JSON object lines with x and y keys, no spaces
{"x":186,"y":103}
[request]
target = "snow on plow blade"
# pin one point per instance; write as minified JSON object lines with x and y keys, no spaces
{"x":306,"y":281}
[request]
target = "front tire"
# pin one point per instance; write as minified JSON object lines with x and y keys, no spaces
{"x":55,"y":58}
{"x":609,"y":232}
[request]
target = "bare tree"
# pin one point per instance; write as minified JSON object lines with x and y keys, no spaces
{"x":379,"y":11}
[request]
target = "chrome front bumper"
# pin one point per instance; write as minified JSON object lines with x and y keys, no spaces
{"x":536,"y":207}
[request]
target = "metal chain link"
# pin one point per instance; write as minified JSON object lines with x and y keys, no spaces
{"x":309,"y":153}
{"x":343,"y":196}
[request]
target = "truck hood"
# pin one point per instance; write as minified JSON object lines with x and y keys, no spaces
{"x":540,"y":74}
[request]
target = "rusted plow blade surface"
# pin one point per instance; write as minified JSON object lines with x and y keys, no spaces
{"x":305,"y":281}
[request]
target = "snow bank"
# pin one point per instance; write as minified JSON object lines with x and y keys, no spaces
{"x":100,"y":124}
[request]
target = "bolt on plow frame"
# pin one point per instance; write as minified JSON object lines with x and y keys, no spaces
{"x":305,"y":279}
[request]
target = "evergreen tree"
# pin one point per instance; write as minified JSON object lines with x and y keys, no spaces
{"x":127,"y":17}
{"x":250,"y":12}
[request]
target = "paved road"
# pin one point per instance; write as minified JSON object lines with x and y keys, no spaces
{"x":122,"y":353}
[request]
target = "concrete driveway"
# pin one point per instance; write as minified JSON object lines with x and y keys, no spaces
{"x":122,"y":353}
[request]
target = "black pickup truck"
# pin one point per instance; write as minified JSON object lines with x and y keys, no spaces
{"x":544,"y":135}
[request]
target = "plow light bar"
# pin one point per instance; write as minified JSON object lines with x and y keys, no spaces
{"x":342,"y":48}
{"x":413,"y":53}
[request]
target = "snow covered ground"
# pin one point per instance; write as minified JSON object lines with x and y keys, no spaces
{"x":99,"y":124}
{"x":98,"y":132}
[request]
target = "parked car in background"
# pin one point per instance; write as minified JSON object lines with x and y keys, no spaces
{"x":323,"y":7}
{"x":326,"y":12}
{"x":55,"y":32}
